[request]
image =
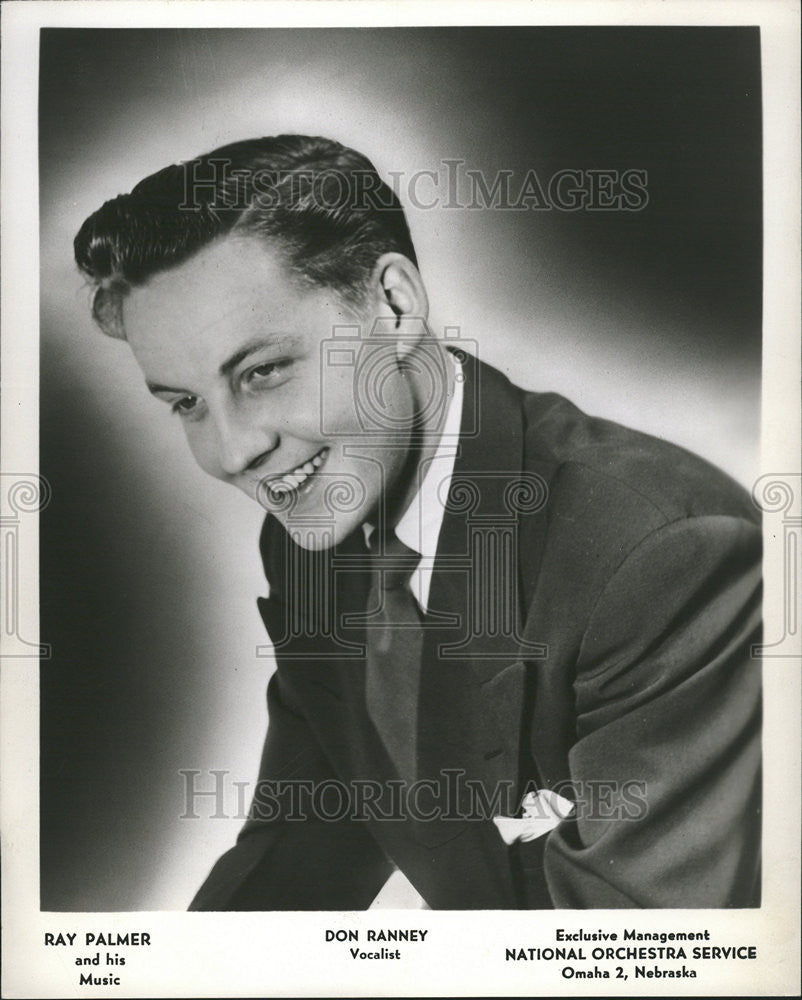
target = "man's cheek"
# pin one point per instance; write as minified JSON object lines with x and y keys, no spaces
{"x":203,"y":453}
{"x":336,"y":403}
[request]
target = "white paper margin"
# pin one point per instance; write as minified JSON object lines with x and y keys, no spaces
{"x":238,"y":954}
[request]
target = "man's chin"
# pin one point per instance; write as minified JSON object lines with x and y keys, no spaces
{"x":320,"y":517}
{"x":316,"y":537}
{"x":316,"y":532}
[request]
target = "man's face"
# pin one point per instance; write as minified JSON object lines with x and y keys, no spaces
{"x":238,"y":351}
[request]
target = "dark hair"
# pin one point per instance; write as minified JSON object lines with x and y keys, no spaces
{"x":323,"y":205}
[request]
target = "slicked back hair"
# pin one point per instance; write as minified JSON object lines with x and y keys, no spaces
{"x":320,"y":205}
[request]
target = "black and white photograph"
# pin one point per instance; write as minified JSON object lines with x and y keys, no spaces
{"x":484,"y":674}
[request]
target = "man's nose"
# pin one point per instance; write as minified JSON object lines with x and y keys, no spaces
{"x":244,"y":443}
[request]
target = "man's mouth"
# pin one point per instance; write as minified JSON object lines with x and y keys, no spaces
{"x":297,"y":477}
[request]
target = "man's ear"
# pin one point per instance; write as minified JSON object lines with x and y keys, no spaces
{"x":402,"y":298}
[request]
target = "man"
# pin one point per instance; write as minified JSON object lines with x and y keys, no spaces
{"x":513,"y":642}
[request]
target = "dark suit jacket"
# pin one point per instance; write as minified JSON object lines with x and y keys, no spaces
{"x":608,"y":658}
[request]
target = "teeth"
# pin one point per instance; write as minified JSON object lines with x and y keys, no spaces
{"x":298,"y":476}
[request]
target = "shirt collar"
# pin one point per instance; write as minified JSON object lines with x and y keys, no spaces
{"x":419,"y":525}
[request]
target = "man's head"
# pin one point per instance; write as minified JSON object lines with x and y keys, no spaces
{"x":322,"y":205}
{"x":269,"y":291}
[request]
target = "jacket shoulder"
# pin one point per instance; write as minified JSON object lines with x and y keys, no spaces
{"x":602,"y":467}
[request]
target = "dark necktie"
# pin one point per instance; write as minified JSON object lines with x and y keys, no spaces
{"x":394,"y":641}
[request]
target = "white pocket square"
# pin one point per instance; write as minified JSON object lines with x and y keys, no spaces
{"x":542,"y":811}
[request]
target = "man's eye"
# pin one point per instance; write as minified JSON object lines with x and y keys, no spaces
{"x":185,"y":405}
{"x":270,"y":372}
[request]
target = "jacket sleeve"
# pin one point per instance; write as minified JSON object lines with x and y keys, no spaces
{"x":299,"y":849}
{"x":295,"y":852}
{"x":666,"y":763}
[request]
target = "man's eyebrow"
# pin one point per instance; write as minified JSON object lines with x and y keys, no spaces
{"x":155,"y":388}
{"x":255,"y":345}
{"x":231,"y":363}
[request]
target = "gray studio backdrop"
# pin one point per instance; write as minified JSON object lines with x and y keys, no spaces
{"x":150,"y":570}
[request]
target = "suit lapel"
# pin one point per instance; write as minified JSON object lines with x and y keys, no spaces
{"x":477,"y":571}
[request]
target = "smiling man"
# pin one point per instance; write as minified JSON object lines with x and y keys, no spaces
{"x":233,"y":343}
{"x":513,"y":642}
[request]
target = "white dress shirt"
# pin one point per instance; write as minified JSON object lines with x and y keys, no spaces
{"x":419,"y":525}
{"x":419,"y":529}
